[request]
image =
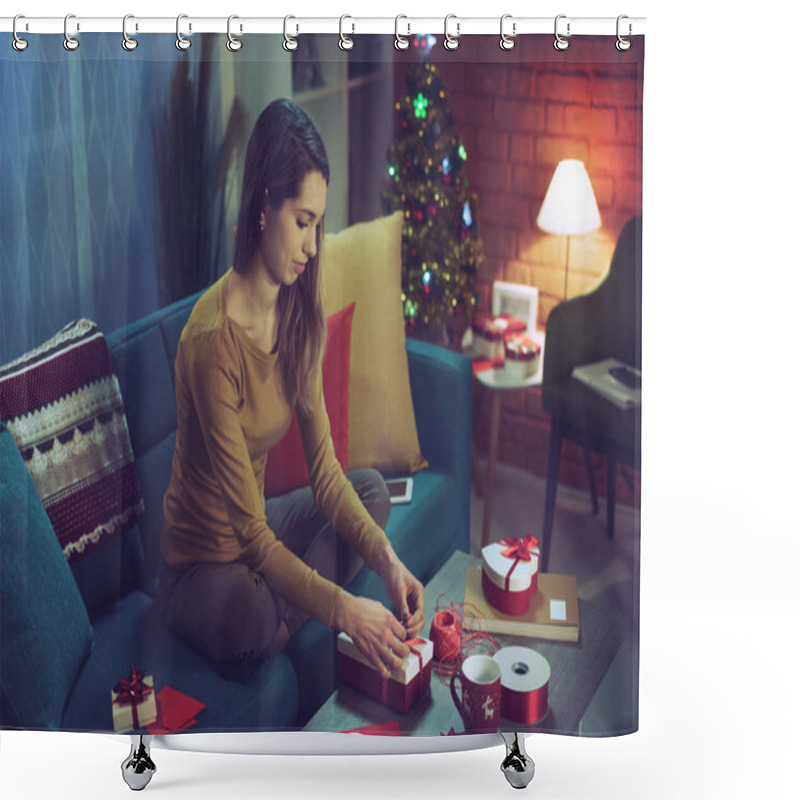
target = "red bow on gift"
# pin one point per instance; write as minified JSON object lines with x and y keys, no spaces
{"x":133,"y":689}
{"x":519,"y":550}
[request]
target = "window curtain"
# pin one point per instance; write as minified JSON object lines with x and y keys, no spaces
{"x":79,"y":225}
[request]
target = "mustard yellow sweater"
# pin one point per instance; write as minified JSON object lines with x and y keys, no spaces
{"x":230,"y":413}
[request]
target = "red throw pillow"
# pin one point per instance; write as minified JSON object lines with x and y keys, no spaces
{"x":286,"y":465}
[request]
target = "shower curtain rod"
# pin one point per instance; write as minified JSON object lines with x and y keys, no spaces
{"x":296,"y":25}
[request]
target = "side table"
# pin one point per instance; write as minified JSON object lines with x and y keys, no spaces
{"x":497,"y":382}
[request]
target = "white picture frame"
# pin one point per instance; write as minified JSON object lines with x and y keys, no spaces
{"x":517,"y":299}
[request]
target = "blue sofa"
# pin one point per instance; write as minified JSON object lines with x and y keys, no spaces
{"x":117,"y":582}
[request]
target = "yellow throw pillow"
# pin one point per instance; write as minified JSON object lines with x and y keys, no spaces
{"x":361,"y":264}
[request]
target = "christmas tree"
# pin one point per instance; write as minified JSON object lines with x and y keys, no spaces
{"x":441,"y":250}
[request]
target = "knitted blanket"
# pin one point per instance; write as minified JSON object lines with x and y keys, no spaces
{"x":63,"y":406}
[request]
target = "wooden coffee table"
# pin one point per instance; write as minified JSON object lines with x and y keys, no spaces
{"x":577,"y":670}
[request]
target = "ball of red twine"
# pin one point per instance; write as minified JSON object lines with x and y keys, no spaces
{"x":445,"y":635}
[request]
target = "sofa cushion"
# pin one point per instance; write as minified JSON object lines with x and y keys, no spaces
{"x":145,"y":380}
{"x":110,"y":571}
{"x":132,"y":633}
{"x":286,"y":466}
{"x":45,"y":635}
{"x":62,"y":404}
{"x":430,"y":511}
{"x":361,"y":264}
{"x":155,"y":469}
{"x":172,"y":321}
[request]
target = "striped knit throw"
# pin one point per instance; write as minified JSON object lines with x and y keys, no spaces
{"x":63,"y":406}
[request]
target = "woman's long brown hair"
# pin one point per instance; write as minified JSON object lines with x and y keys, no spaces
{"x":283,"y":148}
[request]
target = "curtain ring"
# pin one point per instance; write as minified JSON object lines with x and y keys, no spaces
{"x":233,"y":44}
{"x":623,"y":44}
{"x":70,"y":42}
{"x":451,"y":42}
{"x":19,"y":44}
{"x":561,"y":43}
{"x":128,"y":42}
{"x":345,"y":42}
{"x":289,"y":44}
{"x":400,"y":42}
{"x":181,"y":42}
{"x":507,"y":42}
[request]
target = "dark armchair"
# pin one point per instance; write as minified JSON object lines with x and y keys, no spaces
{"x":606,"y":323}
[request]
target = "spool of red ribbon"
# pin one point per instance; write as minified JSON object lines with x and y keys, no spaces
{"x":524,"y":683}
{"x":445,"y":635}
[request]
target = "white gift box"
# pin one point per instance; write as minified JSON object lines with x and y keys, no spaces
{"x":508,"y":579}
{"x":146,"y":711}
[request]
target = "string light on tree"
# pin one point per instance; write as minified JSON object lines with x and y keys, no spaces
{"x":424,"y":43}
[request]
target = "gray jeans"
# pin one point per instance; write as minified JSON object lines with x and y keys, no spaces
{"x":229,"y":613}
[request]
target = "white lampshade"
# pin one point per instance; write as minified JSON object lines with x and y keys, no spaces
{"x":569,"y":207}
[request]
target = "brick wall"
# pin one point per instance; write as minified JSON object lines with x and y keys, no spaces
{"x":519,"y":114}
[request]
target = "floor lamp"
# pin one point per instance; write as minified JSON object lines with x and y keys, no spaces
{"x":569,"y":207}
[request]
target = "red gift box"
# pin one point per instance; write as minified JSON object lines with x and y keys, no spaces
{"x":510,"y":573}
{"x":405,"y":685}
{"x":488,"y":333}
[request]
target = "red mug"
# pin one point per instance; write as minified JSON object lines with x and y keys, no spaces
{"x":479,"y":704}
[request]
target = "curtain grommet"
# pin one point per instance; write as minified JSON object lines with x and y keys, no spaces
{"x":560,"y":42}
{"x":623,"y":44}
{"x":181,"y":42}
{"x":70,"y":42}
{"x":451,"y":42}
{"x":19,"y":44}
{"x":345,"y":42}
{"x":129,"y":43}
{"x":400,"y":42}
{"x":233,"y":44}
{"x":507,"y":42}
{"x":289,"y":42}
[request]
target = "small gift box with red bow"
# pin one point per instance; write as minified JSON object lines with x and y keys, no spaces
{"x":133,"y":702}
{"x":521,"y":356}
{"x":510,"y":573}
{"x":405,"y":685}
{"x":489,"y":333}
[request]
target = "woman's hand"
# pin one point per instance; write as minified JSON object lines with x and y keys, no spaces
{"x":405,"y":591}
{"x":373,"y":629}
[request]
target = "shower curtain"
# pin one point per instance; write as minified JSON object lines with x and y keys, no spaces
{"x":479,"y":265}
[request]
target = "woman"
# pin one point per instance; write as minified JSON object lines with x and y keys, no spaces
{"x":238,"y":577}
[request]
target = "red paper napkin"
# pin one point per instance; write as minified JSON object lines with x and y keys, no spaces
{"x":176,"y":712}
